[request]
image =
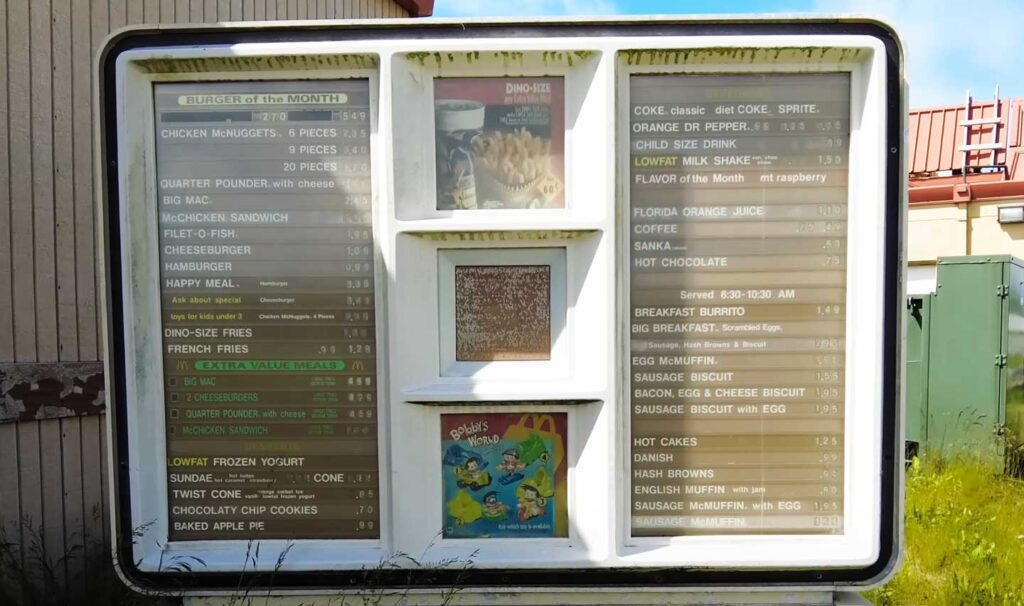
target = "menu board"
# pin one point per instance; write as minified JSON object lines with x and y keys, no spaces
{"x":738,"y":232}
{"x":267,"y":297}
{"x":500,"y":143}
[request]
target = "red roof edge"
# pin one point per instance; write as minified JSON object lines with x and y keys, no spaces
{"x":966,"y":192}
{"x":417,"y":8}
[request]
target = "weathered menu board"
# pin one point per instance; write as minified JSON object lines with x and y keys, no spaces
{"x":738,"y":208}
{"x":267,"y":294}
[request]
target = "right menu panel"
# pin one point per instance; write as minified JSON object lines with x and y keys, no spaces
{"x":738,"y":233}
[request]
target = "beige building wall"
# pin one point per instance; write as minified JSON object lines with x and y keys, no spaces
{"x":936,"y":230}
{"x":952,"y":229}
{"x":988,"y":236}
{"x":955,"y":229}
{"x":53,"y":484}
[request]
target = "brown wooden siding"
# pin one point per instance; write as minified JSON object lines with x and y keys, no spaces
{"x":53,"y":472}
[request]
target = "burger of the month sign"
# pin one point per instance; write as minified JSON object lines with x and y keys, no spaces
{"x":485,"y":307}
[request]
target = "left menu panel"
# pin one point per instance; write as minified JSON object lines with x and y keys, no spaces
{"x":267,"y":301}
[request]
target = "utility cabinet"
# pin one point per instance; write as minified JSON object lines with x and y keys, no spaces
{"x":965,"y":355}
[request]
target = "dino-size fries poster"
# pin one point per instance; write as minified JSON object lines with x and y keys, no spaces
{"x":504,"y":475}
{"x":500,"y":142}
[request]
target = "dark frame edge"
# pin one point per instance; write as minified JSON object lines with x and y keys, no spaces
{"x":175,"y":583}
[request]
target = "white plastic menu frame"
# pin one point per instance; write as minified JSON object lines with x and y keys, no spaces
{"x":595,"y":223}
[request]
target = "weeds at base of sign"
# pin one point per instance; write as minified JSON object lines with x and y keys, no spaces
{"x":35,"y":577}
{"x":80,"y":576}
{"x":411,"y":571}
{"x":964,"y":533}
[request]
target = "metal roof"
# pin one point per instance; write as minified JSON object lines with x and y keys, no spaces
{"x":935,"y":136}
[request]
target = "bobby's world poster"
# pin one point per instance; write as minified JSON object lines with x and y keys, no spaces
{"x":504,"y":475}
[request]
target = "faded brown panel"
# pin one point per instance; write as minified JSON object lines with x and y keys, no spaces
{"x":195,"y":11}
{"x":271,"y":6}
{"x":42,"y":181}
{"x":92,"y":491}
{"x":104,"y":483}
{"x":249,"y":10}
{"x":100,"y":16}
{"x":300,"y":9}
{"x":10,"y":496}
{"x":6,"y":284}
{"x":64,"y":183}
{"x":85,"y":254}
{"x":209,"y":12}
{"x":19,"y":98}
{"x":180,"y":11}
{"x":150,"y":10}
{"x":52,"y":480}
{"x":168,"y":11}
{"x":331,"y":6}
{"x":282,"y":9}
{"x":223,"y":10}
{"x":117,"y":14}
{"x":31,"y":494}
{"x":235,"y":13}
{"x":260,"y":10}
{"x":74,"y":513}
{"x":135,"y":11}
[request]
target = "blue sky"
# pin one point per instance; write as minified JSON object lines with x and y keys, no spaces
{"x":950,"y":46}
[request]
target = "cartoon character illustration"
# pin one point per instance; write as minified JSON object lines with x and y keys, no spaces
{"x":472,"y":475}
{"x":511,"y":465}
{"x":531,"y":503}
{"x":533,"y":495}
{"x":494,"y":510}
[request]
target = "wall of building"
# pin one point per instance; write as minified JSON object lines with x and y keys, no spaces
{"x":52,"y":459}
{"x":988,"y":236}
{"x":955,"y":229}
{"x":936,"y":230}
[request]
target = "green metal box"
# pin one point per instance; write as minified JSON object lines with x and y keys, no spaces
{"x":975,"y":354}
{"x":918,"y":323}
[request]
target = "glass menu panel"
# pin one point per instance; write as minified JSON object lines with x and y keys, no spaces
{"x":738,"y":231}
{"x":267,"y":294}
{"x":500,"y":143}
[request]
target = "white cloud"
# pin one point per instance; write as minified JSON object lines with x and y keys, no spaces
{"x":950,"y":47}
{"x":522,"y":8}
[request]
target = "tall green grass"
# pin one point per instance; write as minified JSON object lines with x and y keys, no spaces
{"x":964,"y":536}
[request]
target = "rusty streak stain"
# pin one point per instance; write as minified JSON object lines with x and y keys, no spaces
{"x":502,"y":312}
{"x":33,"y":391}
